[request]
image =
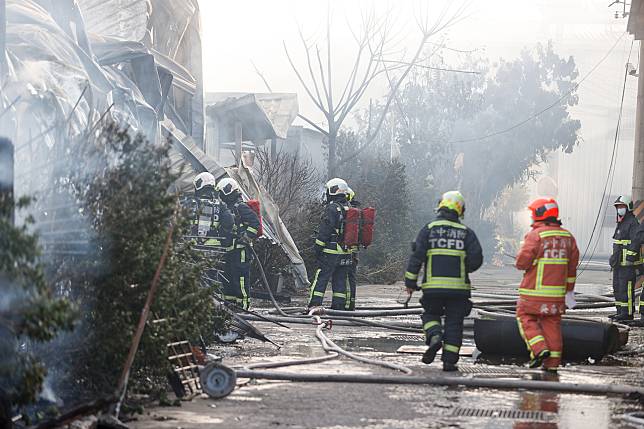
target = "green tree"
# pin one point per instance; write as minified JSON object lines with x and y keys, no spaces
{"x":383,"y":184}
{"x":460,"y":130}
{"x":125,"y":191}
{"x":516,"y":90}
{"x":30,"y":313}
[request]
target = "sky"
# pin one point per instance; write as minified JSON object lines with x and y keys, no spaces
{"x":243,"y":33}
{"x":239,"y":35}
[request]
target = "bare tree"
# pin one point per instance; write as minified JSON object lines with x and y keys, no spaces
{"x":290,"y":179}
{"x":373,"y":47}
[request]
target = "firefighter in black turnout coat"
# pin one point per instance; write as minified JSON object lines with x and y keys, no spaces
{"x":333,"y":258}
{"x":449,"y":251}
{"x":625,"y":259}
{"x":239,"y":254}
{"x":211,"y":221}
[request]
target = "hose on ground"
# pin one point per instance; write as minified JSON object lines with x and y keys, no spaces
{"x":265,"y":283}
{"x":329,"y":346}
{"x":580,"y":388}
{"x":341,"y":321}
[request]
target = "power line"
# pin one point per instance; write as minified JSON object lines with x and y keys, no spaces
{"x":610,"y":176}
{"x":542,"y":111}
{"x":431,"y":67}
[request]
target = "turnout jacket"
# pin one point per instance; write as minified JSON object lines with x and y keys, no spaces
{"x":211,"y":222}
{"x":549,"y":257}
{"x":331,"y":231}
{"x":246,"y":223}
{"x":627,"y":240}
{"x":449,"y":251}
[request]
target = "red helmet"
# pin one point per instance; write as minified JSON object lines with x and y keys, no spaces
{"x":544,"y":208}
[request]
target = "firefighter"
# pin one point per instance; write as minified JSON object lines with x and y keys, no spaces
{"x":549,"y":257}
{"x":625,"y":258}
{"x":332,"y":257}
{"x":239,"y":254}
{"x":639,"y":244}
{"x":450,"y":251}
{"x":212,"y":221}
{"x":352,"y":272}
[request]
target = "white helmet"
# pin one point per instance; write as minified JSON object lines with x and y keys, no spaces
{"x":337,"y":186}
{"x":227,"y":186}
{"x":624,"y":200}
{"x":202,"y":180}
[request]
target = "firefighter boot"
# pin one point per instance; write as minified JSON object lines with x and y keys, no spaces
{"x":538,"y":360}
{"x":449,"y":367}
{"x":434,"y":344}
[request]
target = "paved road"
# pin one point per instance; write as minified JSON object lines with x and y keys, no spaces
{"x":270,"y":404}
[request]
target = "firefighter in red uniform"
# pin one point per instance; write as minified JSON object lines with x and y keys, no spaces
{"x":549,"y":257}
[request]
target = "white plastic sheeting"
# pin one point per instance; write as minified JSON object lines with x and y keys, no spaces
{"x":69,"y":63}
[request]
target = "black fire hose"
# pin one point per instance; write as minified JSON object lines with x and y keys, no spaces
{"x":266,"y":285}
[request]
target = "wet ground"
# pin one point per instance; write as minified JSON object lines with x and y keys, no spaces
{"x":277,"y":404}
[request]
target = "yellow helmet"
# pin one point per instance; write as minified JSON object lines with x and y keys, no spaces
{"x":453,"y":200}
{"x":350,"y":194}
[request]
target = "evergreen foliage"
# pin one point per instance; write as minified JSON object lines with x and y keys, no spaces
{"x":30,"y":313}
{"x":125,"y":192}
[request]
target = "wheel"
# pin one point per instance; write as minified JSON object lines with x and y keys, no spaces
{"x":217,"y":380}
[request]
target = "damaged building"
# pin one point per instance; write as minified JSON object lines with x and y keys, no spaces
{"x":69,"y":64}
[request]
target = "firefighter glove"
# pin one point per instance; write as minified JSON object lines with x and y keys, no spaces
{"x":613,"y":260}
{"x":571,"y":302}
{"x":411,"y":284}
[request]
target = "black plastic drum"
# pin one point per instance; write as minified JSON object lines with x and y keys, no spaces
{"x":582,"y":339}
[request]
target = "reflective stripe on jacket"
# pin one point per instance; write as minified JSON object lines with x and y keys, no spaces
{"x":330,"y":234}
{"x":246,"y":223}
{"x":549,"y":257}
{"x":449,"y":251}
{"x":212,"y":223}
{"x":626,"y":242}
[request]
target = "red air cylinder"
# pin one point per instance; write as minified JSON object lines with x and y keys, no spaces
{"x":352,"y":226}
{"x":366,"y":227}
{"x":256,"y":207}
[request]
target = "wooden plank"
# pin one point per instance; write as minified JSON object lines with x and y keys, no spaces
{"x":179,"y":356}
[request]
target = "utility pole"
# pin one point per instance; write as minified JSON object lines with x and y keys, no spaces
{"x":638,"y":156}
{"x":635,"y":27}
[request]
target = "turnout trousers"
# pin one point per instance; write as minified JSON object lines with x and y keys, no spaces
{"x":624,"y":291}
{"x":352,"y":282}
{"x":455,"y":309}
{"x":540,"y":328}
{"x":237,"y":277}
{"x":333,"y":268}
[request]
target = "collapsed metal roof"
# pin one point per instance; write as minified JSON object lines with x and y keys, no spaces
{"x":70,"y":63}
{"x":262,"y":116}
